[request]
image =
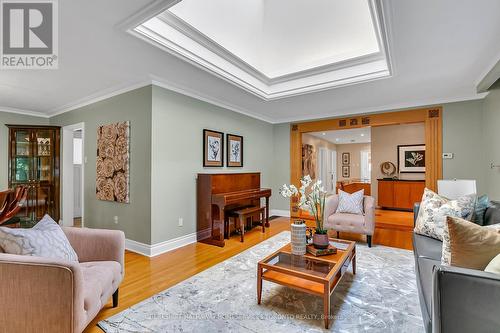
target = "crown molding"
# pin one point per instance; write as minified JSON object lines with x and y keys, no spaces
{"x":385,"y":108}
{"x":489,"y":76}
{"x":99,"y":96}
{"x":23,"y":112}
{"x":169,"y":33}
{"x":205,"y":98}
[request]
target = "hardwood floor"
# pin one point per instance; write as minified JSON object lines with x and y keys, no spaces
{"x":145,"y":276}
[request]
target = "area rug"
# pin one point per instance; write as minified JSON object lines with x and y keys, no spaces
{"x":381,"y":297}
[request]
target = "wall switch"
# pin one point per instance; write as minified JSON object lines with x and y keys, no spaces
{"x":115,"y":219}
{"x":181,"y":221}
{"x":447,"y":156}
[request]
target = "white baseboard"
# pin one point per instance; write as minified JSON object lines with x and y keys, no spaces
{"x":279,"y":212}
{"x":159,"y":248}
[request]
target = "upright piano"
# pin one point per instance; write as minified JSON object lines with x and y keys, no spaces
{"x":221,"y":192}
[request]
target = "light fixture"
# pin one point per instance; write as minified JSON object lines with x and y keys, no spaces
{"x":323,"y":133}
{"x":337,"y":139}
{"x":362,"y":134}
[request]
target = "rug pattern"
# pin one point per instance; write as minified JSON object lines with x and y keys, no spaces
{"x":381,"y":297}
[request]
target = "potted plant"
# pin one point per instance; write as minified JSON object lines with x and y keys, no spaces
{"x":311,"y":198}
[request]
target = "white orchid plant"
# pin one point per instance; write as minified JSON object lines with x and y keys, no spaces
{"x":311,"y":200}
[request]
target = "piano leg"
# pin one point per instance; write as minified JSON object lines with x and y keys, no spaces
{"x":267,"y":212}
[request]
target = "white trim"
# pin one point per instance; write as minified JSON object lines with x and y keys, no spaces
{"x":279,"y":212}
{"x":176,"y":37}
{"x":24,"y":112}
{"x":159,"y":82}
{"x":159,"y":248}
{"x":99,"y":96}
{"x":138,"y":247}
{"x":489,"y":76}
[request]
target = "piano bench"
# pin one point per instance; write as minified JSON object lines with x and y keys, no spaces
{"x":242,"y":215}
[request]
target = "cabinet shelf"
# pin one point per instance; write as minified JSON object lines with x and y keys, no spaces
{"x":39,"y":162}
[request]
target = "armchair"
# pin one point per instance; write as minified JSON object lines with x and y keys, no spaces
{"x":359,"y":224}
{"x":52,"y":295}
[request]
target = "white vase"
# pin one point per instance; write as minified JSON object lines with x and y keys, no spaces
{"x":298,"y":239}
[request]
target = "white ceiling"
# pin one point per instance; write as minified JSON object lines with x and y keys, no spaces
{"x":278,"y":43}
{"x":347,"y":136}
{"x":440,"y":50}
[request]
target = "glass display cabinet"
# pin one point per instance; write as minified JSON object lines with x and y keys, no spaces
{"x":34,"y":162}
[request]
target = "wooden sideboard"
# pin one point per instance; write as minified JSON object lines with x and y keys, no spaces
{"x":399,"y":194}
{"x":354,"y":186}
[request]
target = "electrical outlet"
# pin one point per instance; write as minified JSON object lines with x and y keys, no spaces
{"x":447,"y":156}
{"x":181,"y":221}
{"x":115,"y":219}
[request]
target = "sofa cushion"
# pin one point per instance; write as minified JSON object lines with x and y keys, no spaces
{"x":345,"y":220}
{"x":469,"y":245}
{"x":434,"y":209}
{"x":45,"y":239}
{"x":100,"y":280}
{"x":351,"y":203}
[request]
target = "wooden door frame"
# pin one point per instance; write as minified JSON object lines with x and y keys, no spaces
{"x":431,"y":117}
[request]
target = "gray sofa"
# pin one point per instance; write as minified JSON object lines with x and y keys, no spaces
{"x":454,"y":299}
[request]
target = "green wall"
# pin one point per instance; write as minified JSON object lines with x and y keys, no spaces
{"x":12,"y":119}
{"x":491,"y":132}
{"x":133,"y":218}
{"x":177,"y":137}
{"x":463,"y":136}
{"x":281,"y":165}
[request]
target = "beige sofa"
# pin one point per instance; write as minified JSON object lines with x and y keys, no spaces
{"x":343,"y":222}
{"x":50,"y":295}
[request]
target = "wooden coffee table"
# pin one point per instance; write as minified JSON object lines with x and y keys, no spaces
{"x":314,"y":275}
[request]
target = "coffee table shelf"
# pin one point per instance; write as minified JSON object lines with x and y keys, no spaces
{"x":314,"y":275}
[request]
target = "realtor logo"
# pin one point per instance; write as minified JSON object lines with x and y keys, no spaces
{"x":28,"y":34}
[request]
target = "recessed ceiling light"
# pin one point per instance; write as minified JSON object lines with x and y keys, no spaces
{"x":362,"y":134}
{"x":337,"y":139}
{"x":323,"y":133}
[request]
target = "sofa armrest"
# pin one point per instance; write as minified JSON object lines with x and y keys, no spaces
{"x":331,"y":204}
{"x":465,"y":300}
{"x":40,"y":294}
{"x":369,"y":207}
{"x":416,"y":209}
{"x":97,"y":244}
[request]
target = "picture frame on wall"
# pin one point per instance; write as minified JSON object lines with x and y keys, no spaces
{"x":411,"y":158}
{"x":234,"y":150}
{"x":346,"y":171}
{"x":346,"y":158}
{"x":213,"y":148}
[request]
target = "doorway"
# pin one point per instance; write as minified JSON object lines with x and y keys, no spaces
{"x":73,"y":165}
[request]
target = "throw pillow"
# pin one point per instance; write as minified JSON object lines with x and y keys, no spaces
{"x":351,"y":203}
{"x":465,"y":244}
{"x":45,"y":239}
{"x":434,"y":209}
{"x":494,"y":265}
{"x":483,"y":202}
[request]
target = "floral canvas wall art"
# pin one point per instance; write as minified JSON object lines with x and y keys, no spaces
{"x":112,"y":163}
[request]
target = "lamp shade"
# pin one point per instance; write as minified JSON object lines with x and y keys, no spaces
{"x":455,"y":188}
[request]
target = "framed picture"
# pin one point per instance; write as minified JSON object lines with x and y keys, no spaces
{"x":213,"y":148}
{"x":308,"y":160}
{"x":411,"y":158}
{"x":346,"y":171}
{"x":234,"y":150}
{"x":346,"y":158}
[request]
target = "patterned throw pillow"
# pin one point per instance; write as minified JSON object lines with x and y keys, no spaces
{"x":45,"y":239}
{"x":351,"y":203}
{"x":468,"y":245}
{"x":434,"y":209}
